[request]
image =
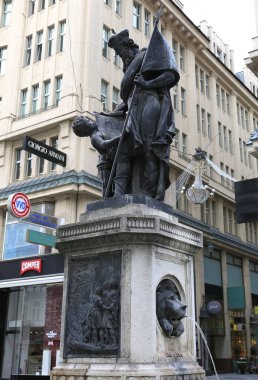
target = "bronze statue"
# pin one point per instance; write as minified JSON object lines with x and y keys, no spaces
{"x":141,"y":163}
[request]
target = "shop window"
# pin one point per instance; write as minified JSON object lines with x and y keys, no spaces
{"x":15,"y":244}
{"x":32,"y":333}
{"x":238,"y":334}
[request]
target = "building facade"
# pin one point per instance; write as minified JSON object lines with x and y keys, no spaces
{"x":55,"y":64}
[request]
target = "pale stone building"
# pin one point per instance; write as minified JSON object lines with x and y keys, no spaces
{"x":54,"y":65}
{"x":252,"y":59}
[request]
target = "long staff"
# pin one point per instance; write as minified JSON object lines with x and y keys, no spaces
{"x":111,"y":176}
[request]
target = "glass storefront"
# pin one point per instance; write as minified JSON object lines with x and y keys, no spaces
{"x":31,"y":338}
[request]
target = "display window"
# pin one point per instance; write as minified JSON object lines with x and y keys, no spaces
{"x":31,"y":339}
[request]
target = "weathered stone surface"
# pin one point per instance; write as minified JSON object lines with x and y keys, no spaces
{"x":152,"y":246}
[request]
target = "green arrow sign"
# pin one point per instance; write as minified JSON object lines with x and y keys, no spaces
{"x":40,"y":238}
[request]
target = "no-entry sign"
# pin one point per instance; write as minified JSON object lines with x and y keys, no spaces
{"x":18,"y":205}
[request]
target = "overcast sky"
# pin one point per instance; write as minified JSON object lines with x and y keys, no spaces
{"x":232,"y":20}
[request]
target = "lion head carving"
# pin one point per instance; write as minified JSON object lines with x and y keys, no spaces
{"x":169,"y":308}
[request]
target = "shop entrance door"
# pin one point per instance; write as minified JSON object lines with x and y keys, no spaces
{"x":12,"y":335}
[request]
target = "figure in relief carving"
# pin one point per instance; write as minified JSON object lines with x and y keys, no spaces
{"x":101,"y":325}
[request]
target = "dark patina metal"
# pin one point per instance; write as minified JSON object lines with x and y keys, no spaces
{"x":93,"y":321}
{"x":169,"y":308}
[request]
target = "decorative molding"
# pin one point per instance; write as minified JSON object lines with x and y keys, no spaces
{"x":142,"y":223}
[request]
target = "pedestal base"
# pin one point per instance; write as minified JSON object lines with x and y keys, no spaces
{"x":120,"y":262}
{"x":172,"y":370}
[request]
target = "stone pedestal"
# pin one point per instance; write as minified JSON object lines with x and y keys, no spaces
{"x":115,"y":259}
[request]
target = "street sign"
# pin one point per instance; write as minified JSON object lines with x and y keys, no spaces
{"x":40,"y":238}
{"x":42,"y":220}
{"x":44,"y":151}
{"x":18,"y":205}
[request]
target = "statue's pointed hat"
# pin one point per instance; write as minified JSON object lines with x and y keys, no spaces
{"x":159,"y":55}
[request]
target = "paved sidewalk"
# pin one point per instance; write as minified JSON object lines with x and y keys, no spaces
{"x":233,"y":376}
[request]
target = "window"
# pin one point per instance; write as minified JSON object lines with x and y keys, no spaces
{"x":54,"y":144}
{"x":175,"y":97}
{"x":136,"y":16}
{"x":242,"y":117}
{"x":28,"y":50}
{"x":146,"y":23}
{"x":196,"y":76}
{"x":3,"y":56}
{"x":218,"y":95}
{"x":29,"y":164}
{"x":105,"y":38}
{"x":35,"y":98}
{"x":62,"y":26}
{"x":115,"y":98}
{"x":7,"y":9}
{"x":117,"y":60}
{"x":207,"y":85}
{"x":238,"y":113}
{"x":203,"y":121}
{"x":184,"y":144}
{"x":24,"y":95}
{"x":225,"y":137}
{"x":228,"y":104}
{"x":17,"y":170}
{"x":104,"y":94}
{"x":182,"y":58}
{"x":176,"y":139}
{"x":246,"y":121}
{"x":31,"y":7}
{"x":198,"y":117}
{"x":230,"y":142}
{"x":213,"y":214}
{"x":220,"y":133}
{"x":42,"y":4}
{"x":52,"y":2}
{"x":209,"y":125}
{"x":175,"y":49}
{"x":39,"y":45}
{"x":108,"y":2}
{"x":41,"y":162}
{"x":223,"y":101}
{"x":241,"y":150}
{"x":59,"y":81}
{"x":46,"y":97}
{"x":245,"y":153}
{"x":118,"y":7}
{"x":183,"y":101}
{"x":50,"y":40}
{"x":202,"y":80}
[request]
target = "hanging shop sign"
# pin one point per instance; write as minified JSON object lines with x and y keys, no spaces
{"x":18,"y":205}
{"x":40,"y":238}
{"x":27,"y":265}
{"x":214,"y":307}
{"x":44,"y":151}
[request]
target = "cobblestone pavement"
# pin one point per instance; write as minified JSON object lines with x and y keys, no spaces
{"x":233,"y":376}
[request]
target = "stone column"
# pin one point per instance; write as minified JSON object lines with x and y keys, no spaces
{"x":128,"y":277}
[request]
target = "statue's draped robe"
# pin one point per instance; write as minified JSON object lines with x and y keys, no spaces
{"x":161,"y":134}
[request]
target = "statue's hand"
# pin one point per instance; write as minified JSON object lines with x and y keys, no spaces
{"x":108,"y":144}
{"x":140,"y":81}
